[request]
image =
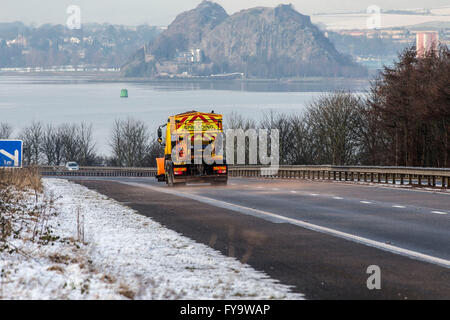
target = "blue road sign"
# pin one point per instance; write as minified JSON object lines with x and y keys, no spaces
{"x":11,"y":153}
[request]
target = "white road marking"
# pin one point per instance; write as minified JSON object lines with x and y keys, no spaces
{"x":275,"y":189}
{"x":366,"y":202}
{"x":397,"y":206}
{"x":293,"y":191}
{"x":439,"y":212}
{"x":313,"y":194}
{"x":338,"y":198}
{"x":307,"y":225}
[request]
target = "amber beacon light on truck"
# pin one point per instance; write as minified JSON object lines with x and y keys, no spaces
{"x":192,"y":149}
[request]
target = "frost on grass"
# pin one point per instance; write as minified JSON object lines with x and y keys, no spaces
{"x":103,"y":250}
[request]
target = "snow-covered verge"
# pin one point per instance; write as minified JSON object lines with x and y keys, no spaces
{"x":100,"y":249}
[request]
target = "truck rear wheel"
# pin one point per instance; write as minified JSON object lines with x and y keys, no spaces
{"x":220,"y":183}
{"x":170,"y":177}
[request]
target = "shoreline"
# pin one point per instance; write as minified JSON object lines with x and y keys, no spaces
{"x":108,"y":76}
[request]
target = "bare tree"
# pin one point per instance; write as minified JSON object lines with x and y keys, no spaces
{"x":86,"y":147}
{"x":32,"y":137}
{"x":301,"y":148}
{"x":236,"y":121}
{"x":52,"y":146}
{"x":333,"y":121}
{"x":68,"y":133}
{"x":283,"y":123}
{"x":5,"y":130}
{"x":130,"y":143}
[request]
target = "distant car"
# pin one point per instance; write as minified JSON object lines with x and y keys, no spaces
{"x":72,"y":166}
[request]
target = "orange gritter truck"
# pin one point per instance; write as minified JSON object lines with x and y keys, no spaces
{"x":192,"y":149}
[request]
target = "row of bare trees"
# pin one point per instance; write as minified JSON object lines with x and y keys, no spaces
{"x":131,"y":143}
{"x":50,"y":145}
{"x":403,"y":119}
{"x":328,"y":132}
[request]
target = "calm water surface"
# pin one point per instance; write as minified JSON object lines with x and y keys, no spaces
{"x":59,"y":99}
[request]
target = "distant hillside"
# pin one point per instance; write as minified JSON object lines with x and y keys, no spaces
{"x":93,"y":46}
{"x":188,"y":29}
{"x":259,"y":42}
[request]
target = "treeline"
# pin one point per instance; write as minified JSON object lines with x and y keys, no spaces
{"x":131,"y":143}
{"x":403,"y":119}
{"x":409,"y":110}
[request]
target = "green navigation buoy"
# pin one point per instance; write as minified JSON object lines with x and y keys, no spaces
{"x":124,"y":93}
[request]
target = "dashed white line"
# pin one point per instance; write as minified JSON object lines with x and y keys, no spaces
{"x":366,"y":202}
{"x":398,"y":206}
{"x":304,"y":224}
{"x":338,"y":198}
{"x":439,"y":212}
{"x":293,"y":191}
{"x":313,"y":194}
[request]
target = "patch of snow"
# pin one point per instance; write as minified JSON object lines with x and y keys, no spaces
{"x":124,"y":255}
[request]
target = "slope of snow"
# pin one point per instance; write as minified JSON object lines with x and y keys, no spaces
{"x":123,"y":255}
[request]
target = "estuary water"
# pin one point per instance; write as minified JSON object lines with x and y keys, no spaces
{"x":95,"y":99}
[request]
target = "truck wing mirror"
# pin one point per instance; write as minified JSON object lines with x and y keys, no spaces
{"x":159,"y":134}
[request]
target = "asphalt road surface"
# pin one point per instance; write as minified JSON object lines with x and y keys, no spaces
{"x":318,"y":237}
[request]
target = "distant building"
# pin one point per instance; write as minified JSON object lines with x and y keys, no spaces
{"x":147,"y":55}
{"x":426,"y":41}
{"x":196,"y":55}
{"x":75,"y":40}
{"x":189,"y":57}
{"x":20,"y":40}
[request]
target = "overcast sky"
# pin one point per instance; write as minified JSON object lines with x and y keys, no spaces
{"x":162,"y":12}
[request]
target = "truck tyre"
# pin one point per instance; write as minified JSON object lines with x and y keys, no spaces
{"x":220,"y":183}
{"x":170,"y":177}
